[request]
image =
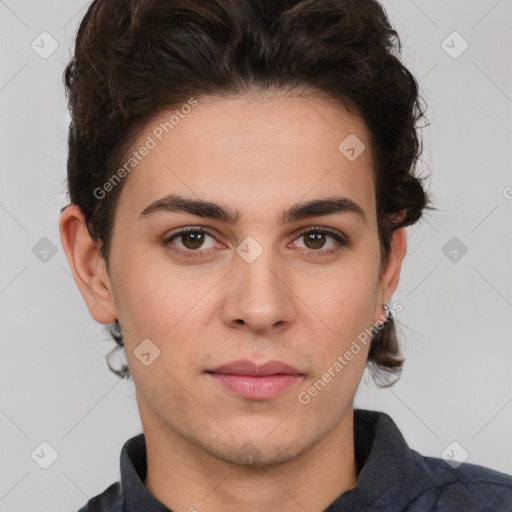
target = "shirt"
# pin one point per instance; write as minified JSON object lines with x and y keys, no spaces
{"x":392,"y":478}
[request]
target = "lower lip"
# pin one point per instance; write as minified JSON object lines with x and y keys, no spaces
{"x":256,"y":388}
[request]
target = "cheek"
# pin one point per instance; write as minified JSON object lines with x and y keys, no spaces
{"x":153,"y":296}
{"x":344,"y":300}
{"x":344,"y":304}
{"x":172,"y":308}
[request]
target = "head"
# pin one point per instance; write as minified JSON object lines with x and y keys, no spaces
{"x":283,"y":136}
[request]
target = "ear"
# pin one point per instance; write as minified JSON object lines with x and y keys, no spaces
{"x":87,"y":265}
{"x":390,"y":276}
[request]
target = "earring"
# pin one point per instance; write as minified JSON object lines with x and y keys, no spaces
{"x":388,"y":314}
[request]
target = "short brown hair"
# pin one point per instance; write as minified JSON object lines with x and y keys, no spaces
{"x":134,"y":59}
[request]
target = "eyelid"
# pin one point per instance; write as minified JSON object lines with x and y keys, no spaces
{"x":322,"y":229}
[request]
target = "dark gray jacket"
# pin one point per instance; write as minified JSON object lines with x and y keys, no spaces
{"x":392,"y":478}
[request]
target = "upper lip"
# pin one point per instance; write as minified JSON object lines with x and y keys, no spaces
{"x":246,"y":367}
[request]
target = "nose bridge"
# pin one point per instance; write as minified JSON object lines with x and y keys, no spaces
{"x":259,"y":294}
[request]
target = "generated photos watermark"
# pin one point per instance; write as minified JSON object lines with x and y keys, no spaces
{"x":304,"y":397}
{"x":151,"y":142}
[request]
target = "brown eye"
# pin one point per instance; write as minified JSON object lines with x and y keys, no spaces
{"x":314,"y":240}
{"x":321,"y":242}
{"x":192,"y":240}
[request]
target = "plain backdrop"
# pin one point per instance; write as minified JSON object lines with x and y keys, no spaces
{"x":456,"y":283}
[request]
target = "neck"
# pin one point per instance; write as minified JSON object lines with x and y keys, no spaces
{"x":183,"y":477}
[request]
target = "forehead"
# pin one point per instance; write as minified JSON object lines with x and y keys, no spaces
{"x":247,"y":151}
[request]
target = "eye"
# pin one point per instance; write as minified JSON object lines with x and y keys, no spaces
{"x":188,"y":241}
{"x":315,"y":239}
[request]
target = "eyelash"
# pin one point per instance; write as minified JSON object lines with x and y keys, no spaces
{"x":340,"y":240}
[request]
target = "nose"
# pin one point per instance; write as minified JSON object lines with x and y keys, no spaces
{"x":259,"y":298}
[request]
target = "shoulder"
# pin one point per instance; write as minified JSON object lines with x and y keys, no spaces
{"x":467,"y":487}
{"x":108,"y":501}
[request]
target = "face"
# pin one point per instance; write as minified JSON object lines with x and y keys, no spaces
{"x":267,"y":271}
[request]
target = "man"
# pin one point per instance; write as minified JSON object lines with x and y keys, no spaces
{"x":241,"y":175}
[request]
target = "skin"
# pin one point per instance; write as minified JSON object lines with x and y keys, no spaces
{"x":208,"y":448}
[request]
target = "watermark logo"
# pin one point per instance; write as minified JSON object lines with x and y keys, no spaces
{"x":44,"y":455}
{"x":454,"y":454}
{"x":249,"y":250}
{"x":455,"y":45}
{"x":352,"y":147}
{"x":147,"y":352}
{"x":44,"y":45}
{"x":454,"y":250}
{"x":44,"y":250}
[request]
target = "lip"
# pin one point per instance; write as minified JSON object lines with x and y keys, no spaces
{"x":246,"y":367}
{"x":256,"y":382}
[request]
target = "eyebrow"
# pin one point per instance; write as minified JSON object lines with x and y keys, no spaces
{"x":173,"y":203}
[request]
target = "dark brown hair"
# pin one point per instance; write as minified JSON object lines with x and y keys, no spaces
{"x":134,"y":59}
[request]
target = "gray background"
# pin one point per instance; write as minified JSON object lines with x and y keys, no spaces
{"x":457,"y":384}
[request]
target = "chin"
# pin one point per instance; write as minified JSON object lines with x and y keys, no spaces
{"x":258,"y":452}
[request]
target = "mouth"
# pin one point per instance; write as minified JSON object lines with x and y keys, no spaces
{"x":251,"y":381}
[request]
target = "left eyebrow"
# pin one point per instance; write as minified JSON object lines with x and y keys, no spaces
{"x":316,"y":208}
